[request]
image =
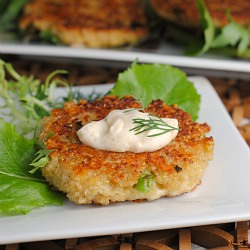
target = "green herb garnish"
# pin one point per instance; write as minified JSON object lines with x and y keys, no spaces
{"x":42,"y":156}
{"x":26,"y":99}
{"x":152,"y":123}
{"x":41,"y":159}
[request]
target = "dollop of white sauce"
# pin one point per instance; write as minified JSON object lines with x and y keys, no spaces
{"x":113,"y":133}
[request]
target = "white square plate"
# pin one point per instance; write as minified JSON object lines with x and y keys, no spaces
{"x":222,"y":197}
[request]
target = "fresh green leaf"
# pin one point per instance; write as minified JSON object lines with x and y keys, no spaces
{"x":16,"y":152}
{"x":19,"y":196}
{"x":233,"y":35}
{"x":41,"y":159}
{"x":47,"y":36}
{"x":20,"y":191}
{"x":148,"y":82}
{"x":9,"y":13}
{"x":208,"y":28}
{"x":26,"y":99}
{"x":145,"y":182}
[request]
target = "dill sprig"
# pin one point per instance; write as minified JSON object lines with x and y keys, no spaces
{"x":154,"y":122}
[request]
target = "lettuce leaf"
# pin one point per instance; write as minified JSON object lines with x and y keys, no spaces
{"x":148,"y":82}
{"x":16,"y":152}
{"x":233,"y":36}
{"x":207,"y":25}
{"x":20,"y":191}
{"x":19,"y":196}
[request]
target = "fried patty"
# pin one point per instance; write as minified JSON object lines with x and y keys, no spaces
{"x":88,"y":175}
{"x":186,"y":13}
{"x":94,"y":23}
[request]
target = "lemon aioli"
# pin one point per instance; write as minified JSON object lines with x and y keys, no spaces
{"x":116,"y":132}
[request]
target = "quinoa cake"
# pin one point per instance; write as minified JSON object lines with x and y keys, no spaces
{"x":88,"y":175}
{"x":106,"y":23}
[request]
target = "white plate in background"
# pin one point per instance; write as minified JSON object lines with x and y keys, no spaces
{"x":165,"y":53}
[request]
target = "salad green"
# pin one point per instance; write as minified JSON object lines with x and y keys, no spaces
{"x":20,"y":191}
{"x":231,"y":40}
{"x":9,"y":13}
{"x":232,"y":36}
{"x":25,"y":101}
{"x":149,"y":82}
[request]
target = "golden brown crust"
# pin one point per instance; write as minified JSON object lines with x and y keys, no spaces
{"x":177,"y":167}
{"x":186,"y":12}
{"x":95,"y":23}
